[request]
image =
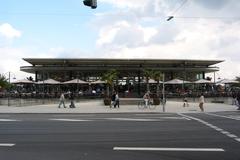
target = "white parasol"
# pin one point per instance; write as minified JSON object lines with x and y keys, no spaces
{"x":75,"y":81}
{"x":203,"y":81}
{"x":23,"y":81}
{"x":48,"y":81}
{"x":176,"y":81}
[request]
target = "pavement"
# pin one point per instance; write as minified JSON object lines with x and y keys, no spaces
{"x":97,"y":106}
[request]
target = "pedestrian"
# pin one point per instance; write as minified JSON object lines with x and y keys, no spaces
{"x":116,"y":100}
{"x":113,"y":98}
{"x":201,"y":102}
{"x":146,"y":98}
{"x":185,"y":102}
{"x":234,"y":99}
{"x":72,"y":105}
{"x":238,"y":100}
{"x":62,"y":99}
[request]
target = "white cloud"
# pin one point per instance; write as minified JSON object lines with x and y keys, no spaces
{"x":7,"y":31}
{"x":193,"y":39}
{"x":125,"y":34}
{"x":138,"y":29}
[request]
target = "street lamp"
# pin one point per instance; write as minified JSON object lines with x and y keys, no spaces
{"x":163,"y":93}
{"x":9,"y":81}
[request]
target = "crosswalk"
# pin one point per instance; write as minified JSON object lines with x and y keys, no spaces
{"x":120,"y":117}
{"x":91,"y":119}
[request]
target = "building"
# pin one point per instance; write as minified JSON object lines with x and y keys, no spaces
{"x":131,"y":71}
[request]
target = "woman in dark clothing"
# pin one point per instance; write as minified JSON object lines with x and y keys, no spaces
{"x":238,"y":100}
{"x":72,"y":105}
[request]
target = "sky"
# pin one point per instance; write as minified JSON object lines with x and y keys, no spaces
{"x":200,"y":29}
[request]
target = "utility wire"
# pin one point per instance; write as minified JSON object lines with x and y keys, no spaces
{"x":176,"y":10}
{"x":207,"y":17}
{"x":181,"y":5}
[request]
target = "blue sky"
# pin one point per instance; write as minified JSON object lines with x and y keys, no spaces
{"x":50,"y":23}
{"x":201,"y":29}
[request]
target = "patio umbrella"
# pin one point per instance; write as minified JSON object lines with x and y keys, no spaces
{"x":75,"y":81}
{"x":151,"y":81}
{"x":227,"y":81}
{"x":176,"y":81}
{"x":48,"y":81}
{"x":98,"y":82}
{"x":23,"y":81}
{"x":203,"y":81}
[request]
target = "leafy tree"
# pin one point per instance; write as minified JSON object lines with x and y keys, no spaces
{"x":237,"y":79}
{"x":109,"y":77}
{"x":4,"y":82}
{"x":30,"y":78}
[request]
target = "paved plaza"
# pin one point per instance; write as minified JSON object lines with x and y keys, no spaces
{"x":97,"y":106}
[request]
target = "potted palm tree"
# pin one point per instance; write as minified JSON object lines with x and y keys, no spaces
{"x":156,"y":75}
{"x":148,"y":73}
{"x":109,"y":77}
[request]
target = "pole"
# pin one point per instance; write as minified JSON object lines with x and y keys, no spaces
{"x":163,"y":93}
{"x":9,"y":89}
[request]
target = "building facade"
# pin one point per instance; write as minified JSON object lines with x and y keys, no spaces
{"x":130,"y":71}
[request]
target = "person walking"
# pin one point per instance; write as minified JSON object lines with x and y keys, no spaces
{"x":185,"y":102}
{"x":116,"y":101}
{"x":234,"y":98}
{"x":238,"y":100}
{"x":72,"y":105}
{"x":201,"y":102}
{"x":113,"y":98}
{"x":146,"y":99}
{"x":62,"y":99}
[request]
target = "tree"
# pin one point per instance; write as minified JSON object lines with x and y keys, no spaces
{"x":148,"y":73}
{"x":109,"y":77}
{"x":4,"y":82}
{"x":237,"y":79}
{"x":157,"y":75}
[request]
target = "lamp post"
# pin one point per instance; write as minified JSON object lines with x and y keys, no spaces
{"x":163,"y":93}
{"x":9,"y":81}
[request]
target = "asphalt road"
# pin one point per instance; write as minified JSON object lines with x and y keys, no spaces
{"x":120,"y":136}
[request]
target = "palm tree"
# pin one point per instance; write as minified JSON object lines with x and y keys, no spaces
{"x":109,"y":77}
{"x":148,"y":73}
{"x":157,"y":75}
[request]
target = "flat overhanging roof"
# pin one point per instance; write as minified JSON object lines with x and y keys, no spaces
{"x":105,"y":61}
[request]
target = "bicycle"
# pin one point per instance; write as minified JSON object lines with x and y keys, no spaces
{"x":141,"y":105}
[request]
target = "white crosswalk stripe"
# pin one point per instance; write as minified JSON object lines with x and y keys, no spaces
{"x":133,"y":119}
{"x":7,"y":144}
{"x":8,"y":120}
{"x":70,"y":120}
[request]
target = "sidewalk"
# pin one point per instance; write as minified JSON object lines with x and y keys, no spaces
{"x":97,"y":106}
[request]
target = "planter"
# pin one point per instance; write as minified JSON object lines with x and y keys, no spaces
{"x":107,"y":101}
{"x":156,"y":101}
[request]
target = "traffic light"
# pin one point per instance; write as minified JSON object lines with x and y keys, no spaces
{"x":90,"y":3}
{"x":169,"y":18}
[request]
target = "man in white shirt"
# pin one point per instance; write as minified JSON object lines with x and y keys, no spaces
{"x":201,"y":101}
{"x":62,"y":98}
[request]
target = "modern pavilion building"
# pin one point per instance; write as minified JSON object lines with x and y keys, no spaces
{"x":130,"y":71}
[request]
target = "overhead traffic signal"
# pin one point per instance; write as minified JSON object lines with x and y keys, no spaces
{"x":90,"y":3}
